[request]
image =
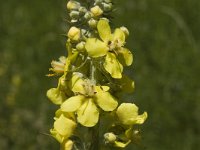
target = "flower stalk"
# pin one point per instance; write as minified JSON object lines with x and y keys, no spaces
{"x":91,"y":113}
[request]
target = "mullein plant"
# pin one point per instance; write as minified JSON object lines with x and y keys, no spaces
{"x":91,"y":113}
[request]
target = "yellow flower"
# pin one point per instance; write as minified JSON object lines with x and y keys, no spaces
{"x":96,"y":11}
{"x":110,"y":45}
{"x":64,"y":126}
{"x":128,"y":114}
{"x":87,"y":96}
{"x":74,"y":33}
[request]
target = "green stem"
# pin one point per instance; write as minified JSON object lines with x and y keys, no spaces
{"x":92,"y":72}
{"x":94,"y":131}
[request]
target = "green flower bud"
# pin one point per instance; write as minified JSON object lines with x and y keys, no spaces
{"x":92,"y":23}
{"x":80,"y":46}
{"x":98,"y":2}
{"x":96,"y":11}
{"x":110,"y":137}
{"x":125,"y":30}
{"x":74,"y":14}
{"x":85,"y":34}
{"x":82,"y":10}
{"x":74,"y":33}
{"x":88,"y":15}
{"x":107,"y":7}
{"x":73,"y":5}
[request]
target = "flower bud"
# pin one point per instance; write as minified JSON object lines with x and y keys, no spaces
{"x":73,"y":5}
{"x":125,"y":30}
{"x":110,"y":137}
{"x":74,"y":20}
{"x":74,"y":33}
{"x":98,"y":1}
{"x":85,"y":34}
{"x":88,"y":15}
{"x":107,"y":7}
{"x":58,"y":66}
{"x":96,"y":11}
{"x":74,"y":14}
{"x":92,"y":23}
{"x":82,"y":10}
{"x":68,"y":145}
{"x":80,"y":46}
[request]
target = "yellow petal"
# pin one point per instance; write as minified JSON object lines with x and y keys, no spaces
{"x":95,"y":47}
{"x":121,"y":144}
{"x":125,"y":56}
{"x":76,"y":84}
{"x":88,"y":114}
{"x":64,"y":126}
{"x":72,"y":103}
{"x":106,"y":101}
{"x":128,"y":114}
{"x":56,"y":96}
{"x":113,"y":66}
{"x":57,"y":136}
{"x":101,"y":88}
{"x":104,"y":30}
{"x":119,"y":35}
{"x":140,"y":118}
{"x":69,"y":115}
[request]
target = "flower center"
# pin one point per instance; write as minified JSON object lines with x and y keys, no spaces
{"x":115,"y":44}
{"x":89,"y":88}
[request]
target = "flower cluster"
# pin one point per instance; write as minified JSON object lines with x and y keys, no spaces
{"x":91,"y":81}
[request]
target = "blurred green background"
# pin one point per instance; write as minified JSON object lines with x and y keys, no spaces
{"x":164,"y":38}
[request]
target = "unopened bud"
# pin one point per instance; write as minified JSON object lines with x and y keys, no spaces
{"x":88,"y":15}
{"x":73,"y":5}
{"x":80,"y":46}
{"x":98,"y":1}
{"x":110,"y":137}
{"x":96,"y":11}
{"x":82,"y":10}
{"x":74,"y":33}
{"x":107,"y":7}
{"x":68,"y":145}
{"x":74,"y":14}
{"x":74,"y":20}
{"x":92,"y":23}
{"x":125,"y":30}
